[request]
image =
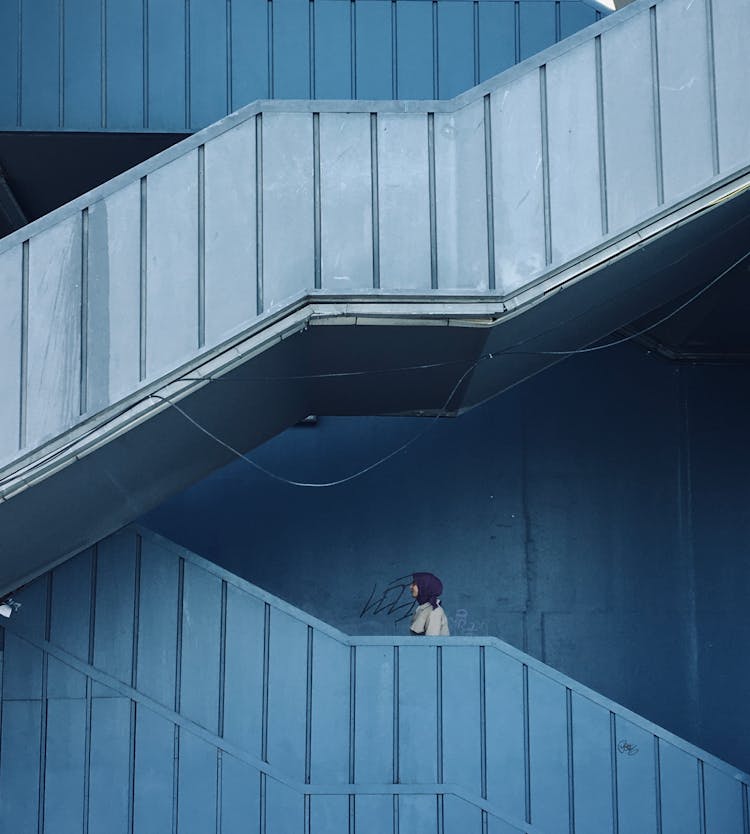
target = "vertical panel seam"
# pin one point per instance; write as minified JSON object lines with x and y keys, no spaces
{"x":352,"y":711}
{"x":517,"y":31}
{"x":613,"y":767}
{"x":311,"y":53}
{"x":188,"y":86}
{"x":570,"y":762}
{"x":222,"y":656}
{"x":526,"y":745}
{"x":657,"y":107}
{"x":394,"y":50}
{"x":179,"y":635}
{"x":483,"y":724}
{"x":134,"y":680}
{"x":201,"y":245}
{"x":316,"y":198}
{"x":489,"y":193}
{"x":545,"y":164}
{"x":266,"y":667}
{"x":306,"y":796}
{"x":374,"y":186}
{"x":176,"y":780}
{"x":712,"y":87}
{"x":230,"y":59}
{"x":308,"y":705}
{"x":657,"y":784}
{"x":601,"y":133}
{"x":396,"y":775}
{"x":558,"y":25}
{"x":259,"y":211}
{"x":262,"y":803}
{"x":432,"y":199}
{"x":219,"y":785}
{"x":43,"y":709}
{"x":61,"y":63}
{"x":435,"y":52}
{"x":103,"y":64}
{"x":89,"y":687}
{"x":145,"y":63}
{"x":19,"y":67}
{"x":269,"y":37}
{"x":745,"y":809}
{"x":353,"y":48}
{"x":701,"y":798}
{"x":475,"y":35}
{"x":24,"y":357}
{"x":143,"y":285}
{"x":439,"y":711}
{"x":83,"y":323}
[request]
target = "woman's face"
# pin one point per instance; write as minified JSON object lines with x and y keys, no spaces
{"x":414,"y":590}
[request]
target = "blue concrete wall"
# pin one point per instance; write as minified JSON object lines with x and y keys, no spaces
{"x":594,"y":516}
{"x":177,"y":65}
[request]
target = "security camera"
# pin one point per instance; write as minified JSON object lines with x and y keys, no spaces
{"x":7,"y":606}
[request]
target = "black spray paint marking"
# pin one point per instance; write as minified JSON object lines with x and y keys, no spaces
{"x":627,"y":749}
{"x":396,"y":598}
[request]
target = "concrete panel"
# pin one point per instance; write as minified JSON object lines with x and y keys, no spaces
{"x":230,"y":231}
{"x":244,"y":683}
{"x":114,"y":297}
{"x":346,"y":201}
{"x":456,"y":46}
{"x":334,"y":72}
{"x":403,"y":199}
{"x":373,"y":743}
{"x":636,"y":779}
{"x":291,"y":50}
{"x":82,"y":76}
{"x":518,"y":183}
{"x":240,"y":797}
{"x":284,"y":809}
{"x":288,"y":206}
{"x":417,"y":710}
{"x":201,"y":648}
{"x":249,"y":65}
{"x":414,"y":50}
{"x":40,"y":64}
{"x":628,"y":115}
{"x":548,"y":753}
{"x":537,"y":24}
{"x":497,"y":38}
{"x":64,"y":765}
{"x":124,"y":65}
{"x":417,"y":814}
{"x":157,"y":624}
{"x":109,"y":768}
{"x":10,"y":23}
{"x":684,"y":96}
{"x":330,"y":720}
{"x":592,"y":765}
{"x":573,"y":141}
{"x":731,"y":23}
{"x":462,"y":719}
{"x":54,"y":330}
{"x":115,"y":606}
{"x":11,"y":294}
{"x":460,"y":817}
{"x":679,"y":789}
{"x":19,"y":763}
{"x":172,"y":264}
{"x":375,"y":77}
{"x":208,"y":79}
{"x":724,"y":802}
{"x":166,"y":77}
{"x":287,"y":694}
{"x":154,"y":773}
{"x":461,"y":199}
{"x":196,"y":804}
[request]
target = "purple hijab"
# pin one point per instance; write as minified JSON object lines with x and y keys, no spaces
{"x":430,"y":588}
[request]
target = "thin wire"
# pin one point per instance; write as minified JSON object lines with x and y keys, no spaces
{"x":508,"y":351}
{"x":340,"y":481}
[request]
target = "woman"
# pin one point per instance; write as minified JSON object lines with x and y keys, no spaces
{"x":429,"y":618}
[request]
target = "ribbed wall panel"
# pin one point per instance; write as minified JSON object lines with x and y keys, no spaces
{"x":457,"y":735}
{"x":179,"y":65}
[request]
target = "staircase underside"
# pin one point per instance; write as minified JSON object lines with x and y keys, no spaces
{"x":328,"y":355}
